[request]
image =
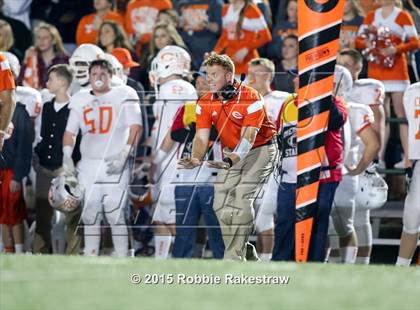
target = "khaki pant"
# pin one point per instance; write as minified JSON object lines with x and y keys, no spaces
{"x":235,"y":192}
{"x":44,"y":213}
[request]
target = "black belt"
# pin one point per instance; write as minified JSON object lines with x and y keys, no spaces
{"x":329,"y":168}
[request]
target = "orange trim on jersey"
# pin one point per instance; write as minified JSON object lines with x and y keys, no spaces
{"x":363,"y":128}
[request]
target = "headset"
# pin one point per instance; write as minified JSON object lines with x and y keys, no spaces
{"x":229,"y":91}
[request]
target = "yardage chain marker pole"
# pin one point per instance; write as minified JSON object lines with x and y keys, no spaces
{"x":319,"y":24}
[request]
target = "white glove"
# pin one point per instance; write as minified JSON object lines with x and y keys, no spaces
{"x":68,"y":164}
{"x":116,"y":163}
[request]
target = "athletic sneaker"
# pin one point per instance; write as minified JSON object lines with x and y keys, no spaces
{"x":251,"y":253}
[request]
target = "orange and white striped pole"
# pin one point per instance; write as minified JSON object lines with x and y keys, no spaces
{"x":319,"y":23}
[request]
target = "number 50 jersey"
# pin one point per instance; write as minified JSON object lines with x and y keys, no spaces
{"x":104,"y":120}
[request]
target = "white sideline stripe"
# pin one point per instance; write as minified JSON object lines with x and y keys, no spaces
{"x":311,"y":134}
{"x":319,"y":29}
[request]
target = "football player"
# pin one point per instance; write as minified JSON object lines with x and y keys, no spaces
{"x":169,"y":67}
{"x":110,"y":122}
{"x":411,"y":217}
{"x":370,"y":92}
{"x":358,"y":127}
{"x":260,"y":76}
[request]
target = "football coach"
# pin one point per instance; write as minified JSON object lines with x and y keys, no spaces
{"x":249,"y":146}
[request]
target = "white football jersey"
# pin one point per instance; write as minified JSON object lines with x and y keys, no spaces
{"x":367,"y":91}
{"x":172,"y":95}
{"x":359,"y":117}
{"x":411,"y":102}
{"x":273,"y":102}
{"x":31,"y":99}
{"x":104,"y":120}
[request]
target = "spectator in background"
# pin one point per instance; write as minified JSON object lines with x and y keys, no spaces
{"x":18,"y":10}
{"x":7,"y":41}
{"x":88,"y":27}
{"x":111,"y":35}
{"x":244,"y":30}
{"x":19,"y":31}
{"x":289,"y":53}
{"x":121,"y":6}
{"x":141,"y":18}
{"x":265,"y":9}
{"x":282,"y":28}
{"x":63,"y":14}
{"x":414,"y":11}
{"x":169,"y":16}
{"x":370,"y":5}
{"x":48,"y":51}
{"x":396,"y":79}
{"x":14,"y":166}
{"x":200,"y":26}
{"x":164,"y":34}
{"x":352,"y":19}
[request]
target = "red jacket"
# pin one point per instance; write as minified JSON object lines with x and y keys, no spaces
{"x":331,"y":166}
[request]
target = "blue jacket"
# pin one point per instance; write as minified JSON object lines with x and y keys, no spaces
{"x":17,"y":150}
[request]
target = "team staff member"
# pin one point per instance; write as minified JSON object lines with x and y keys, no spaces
{"x":7,"y":96}
{"x":237,"y":111}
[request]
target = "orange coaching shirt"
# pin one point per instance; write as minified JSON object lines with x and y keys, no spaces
{"x":6,"y":77}
{"x":231,"y":116}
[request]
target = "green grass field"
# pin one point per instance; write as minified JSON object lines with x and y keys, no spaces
{"x":57,"y":282}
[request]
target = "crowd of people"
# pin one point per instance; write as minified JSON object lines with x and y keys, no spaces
{"x":168,"y":128}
